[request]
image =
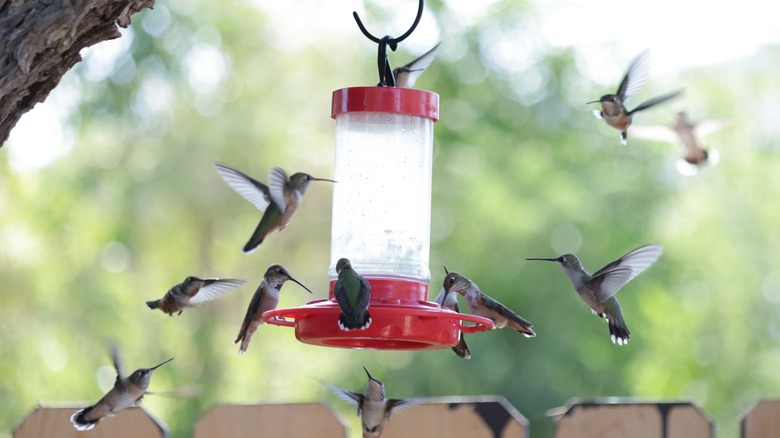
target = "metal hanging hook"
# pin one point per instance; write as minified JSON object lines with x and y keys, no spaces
{"x":386,"y":77}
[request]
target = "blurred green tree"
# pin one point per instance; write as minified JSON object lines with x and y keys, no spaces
{"x":131,"y":205}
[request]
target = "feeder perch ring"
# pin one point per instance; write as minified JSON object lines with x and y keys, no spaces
{"x":406,"y":326}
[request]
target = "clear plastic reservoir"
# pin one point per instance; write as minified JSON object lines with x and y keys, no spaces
{"x":382,"y":198}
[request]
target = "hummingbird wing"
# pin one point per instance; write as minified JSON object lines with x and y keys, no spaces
{"x":279,"y":183}
{"x":614,"y":276}
{"x":655,"y":132}
{"x":117,"y":363}
{"x":249,"y":188}
{"x":504,"y":311}
{"x":635,"y":76}
{"x":214,"y":288}
{"x":655,"y":101}
{"x":407,"y":75}
{"x":353,"y":398}
{"x":352,"y":292}
{"x":399,"y":405}
{"x":710,"y":126}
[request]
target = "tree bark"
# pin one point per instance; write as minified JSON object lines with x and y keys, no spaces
{"x":40,"y":41}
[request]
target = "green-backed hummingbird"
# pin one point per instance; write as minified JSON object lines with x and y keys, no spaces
{"x":485,"y":306}
{"x":449,"y":300}
{"x":613,"y":109}
{"x":407,"y":75}
{"x":127,"y":392}
{"x":372,"y":408}
{"x":266,"y":298}
{"x":598,"y":290}
{"x":353,"y":294}
{"x":280,"y":199}
{"x":193,"y":291}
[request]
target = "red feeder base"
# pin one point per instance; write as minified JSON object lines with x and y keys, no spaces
{"x":402,"y":319}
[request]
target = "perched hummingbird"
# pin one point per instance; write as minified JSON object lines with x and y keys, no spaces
{"x":613,"y":110}
{"x":450,"y":301}
{"x":353,"y":294}
{"x":482,"y":305}
{"x":407,"y":75}
{"x":280,"y":199}
{"x":598,"y":290}
{"x":686,"y":134}
{"x":372,"y":408}
{"x":266,"y":298}
{"x":127,"y":392}
{"x":193,"y":291}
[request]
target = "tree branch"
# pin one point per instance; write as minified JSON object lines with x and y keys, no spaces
{"x":40,"y":41}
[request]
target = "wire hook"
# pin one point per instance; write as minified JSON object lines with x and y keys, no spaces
{"x":386,"y":77}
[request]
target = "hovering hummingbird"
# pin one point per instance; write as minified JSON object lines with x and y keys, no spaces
{"x":353,"y":294}
{"x":482,"y":305}
{"x":407,"y":75}
{"x":598,"y":290}
{"x":280,"y":199}
{"x":193,"y":291}
{"x":686,"y":134}
{"x":449,"y":300}
{"x":266,"y":298}
{"x":127,"y":392}
{"x":613,"y":110}
{"x":372,"y":408}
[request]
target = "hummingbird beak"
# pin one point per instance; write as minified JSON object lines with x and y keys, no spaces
{"x":545,"y":259}
{"x":592,"y":101}
{"x":322,"y":179}
{"x":370,"y":377}
{"x":160,"y":364}
{"x":301,"y":285}
{"x":445,"y":269}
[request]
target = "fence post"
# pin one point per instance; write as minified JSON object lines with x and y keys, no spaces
{"x":762,"y":420}
{"x":55,"y":422}
{"x":280,"y":420}
{"x":473,"y":417}
{"x":637,"y":419}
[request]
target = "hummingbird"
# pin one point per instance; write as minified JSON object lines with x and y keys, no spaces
{"x":686,"y":134}
{"x":266,"y":298}
{"x":484,"y":306}
{"x":372,"y":408}
{"x":193,"y":291}
{"x":613,"y":110}
{"x":280,"y":199}
{"x":407,"y":75}
{"x":127,"y":392}
{"x":353,"y":294}
{"x":598,"y":290}
{"x":450,"y":301}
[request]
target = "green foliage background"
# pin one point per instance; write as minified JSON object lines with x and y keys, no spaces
{"x":521,"y":169}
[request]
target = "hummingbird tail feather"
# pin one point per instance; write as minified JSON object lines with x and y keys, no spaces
{"x":462,"y":350}
{"x":523,"y":327}
{"x":80,"y":421}
{"x":618,"y":330}
{"x":153,"y":304}
{"x":362,"y":322}
{"x":252,"y":244}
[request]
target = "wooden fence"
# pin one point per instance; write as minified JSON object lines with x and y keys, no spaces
{"x":473,"y":417}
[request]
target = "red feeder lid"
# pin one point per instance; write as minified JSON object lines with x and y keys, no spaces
{"x":398,"y":323}
{"x":386,"y":100}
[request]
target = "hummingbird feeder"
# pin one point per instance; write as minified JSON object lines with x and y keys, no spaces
{"x":381,"y":219}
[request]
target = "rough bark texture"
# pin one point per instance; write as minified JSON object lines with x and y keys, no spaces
{"x":40,"y":41}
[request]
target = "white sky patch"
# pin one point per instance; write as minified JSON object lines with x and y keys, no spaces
{"x":101,"y":59}
{"x":679,"y":33}
{"x":40,"y":137}
{"x":206,"y":67}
